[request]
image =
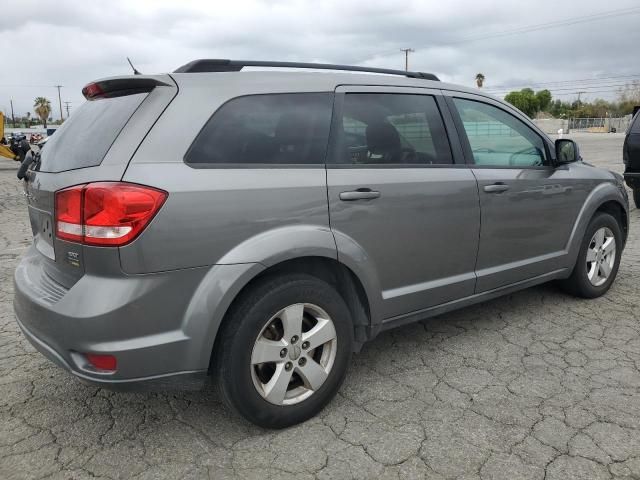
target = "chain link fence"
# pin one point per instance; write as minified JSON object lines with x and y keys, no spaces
{"x":600,"y":125}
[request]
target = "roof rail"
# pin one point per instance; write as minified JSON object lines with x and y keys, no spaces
{"x":223,"y":65}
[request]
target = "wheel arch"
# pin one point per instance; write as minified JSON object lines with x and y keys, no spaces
{"x":617,"y":211}
{"x":330,"y":270}
{"x":606,"y":197}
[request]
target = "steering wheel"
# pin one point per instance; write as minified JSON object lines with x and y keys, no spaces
{"x":526,"y":151}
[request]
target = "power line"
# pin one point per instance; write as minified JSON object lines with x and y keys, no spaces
{"x":631,"y":77}
{"x":576,"y":92}
{"x":541,"y":26}
{"x":544,"y":26}
{"x":560,"y":89}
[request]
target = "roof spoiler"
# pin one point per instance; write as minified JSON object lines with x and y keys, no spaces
{"x":121,"y":86}
{"x":225,"y":65}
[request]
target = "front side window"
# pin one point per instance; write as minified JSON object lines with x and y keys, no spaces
{"x":391,"y":128}
{"x":266,"y":129}
{"x":498,"y":138}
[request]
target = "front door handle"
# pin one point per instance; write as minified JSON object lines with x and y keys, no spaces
{"x":360,"y":194}
{"x":496,"y":188}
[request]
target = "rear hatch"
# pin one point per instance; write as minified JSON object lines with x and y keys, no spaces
{"x":94,"y":144}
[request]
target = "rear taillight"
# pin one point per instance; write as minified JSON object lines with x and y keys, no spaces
{"x":105,"y":213}
{"x":69,"y":214}
{"x":102,"y":362}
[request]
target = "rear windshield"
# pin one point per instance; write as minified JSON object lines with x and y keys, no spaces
{"x":84,"y":139}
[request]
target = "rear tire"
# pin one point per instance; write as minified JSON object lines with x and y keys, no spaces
{"x":598,"y":259}
{"x":269,"y":372}
{"x":636,"y":197}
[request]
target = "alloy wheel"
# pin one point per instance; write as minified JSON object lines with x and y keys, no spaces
{"x":293,"y":354}
{"x":601,"y":256}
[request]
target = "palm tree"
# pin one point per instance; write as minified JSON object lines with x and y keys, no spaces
{"x":479,"y":80}
{"x":42,"y":107}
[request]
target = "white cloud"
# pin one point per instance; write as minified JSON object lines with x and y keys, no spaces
{"x":71,"y":42}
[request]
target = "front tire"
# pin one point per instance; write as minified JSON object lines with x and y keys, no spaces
{"x":284,"y":350}
{"x":598,"y":259}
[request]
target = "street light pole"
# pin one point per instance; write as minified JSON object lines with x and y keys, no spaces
{"x":59,"y":101}
{"x":406,"y":57}
{"x":13,"y":118}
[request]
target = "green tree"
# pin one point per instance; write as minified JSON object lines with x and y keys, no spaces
{"x":544,"y":100}
{"x":524,"y":100}
{"x":42,"y":107}
{"x":628,"y":97}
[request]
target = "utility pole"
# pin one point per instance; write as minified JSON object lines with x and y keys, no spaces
{"x":406,"y":57}
{"x":579,"y":93}
{"x":13,"y":118}
{"x":59,"y":101}
{"x":67,"y":107}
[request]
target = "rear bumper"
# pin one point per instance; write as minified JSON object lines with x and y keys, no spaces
{"x":140,"y":319}
{"x":172,"y":381}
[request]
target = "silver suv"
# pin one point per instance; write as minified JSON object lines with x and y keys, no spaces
{"x":260,"y":226}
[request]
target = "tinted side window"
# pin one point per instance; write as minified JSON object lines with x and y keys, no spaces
{"x":498,"y":138}
{"x":271,"y":129}
{"x":390,"y":128}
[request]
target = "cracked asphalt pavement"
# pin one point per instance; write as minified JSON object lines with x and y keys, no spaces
{"x":530,"y":386}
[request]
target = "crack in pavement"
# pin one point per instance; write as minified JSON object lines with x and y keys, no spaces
{"x":533,"y":385}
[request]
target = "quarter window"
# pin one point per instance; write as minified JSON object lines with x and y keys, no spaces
{"x":266,"y":129}
{"x":390,"y":128}
{"x":498,"y":138}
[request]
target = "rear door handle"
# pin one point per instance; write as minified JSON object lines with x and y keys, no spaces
{"x":496,"y":188}
{"x":360,"y":194}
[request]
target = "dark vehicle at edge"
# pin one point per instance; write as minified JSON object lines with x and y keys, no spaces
{"x":631,"y":156}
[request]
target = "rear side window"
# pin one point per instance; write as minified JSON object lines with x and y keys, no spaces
{"x":85,"y":137}
{"x":286,"y":129}
{"x":392,"y":128}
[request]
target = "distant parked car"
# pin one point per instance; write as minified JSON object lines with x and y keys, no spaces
{"x":631,"y":157}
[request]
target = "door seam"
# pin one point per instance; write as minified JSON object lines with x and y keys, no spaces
{"x":475,"y":266}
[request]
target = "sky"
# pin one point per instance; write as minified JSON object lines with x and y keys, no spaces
{"x":514,"y":44}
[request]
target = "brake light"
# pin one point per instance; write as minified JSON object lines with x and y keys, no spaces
{"x":92,"y":90}
{"x":102,"y":362}
{"x":105,"y":213}
{"x":69,"y":214}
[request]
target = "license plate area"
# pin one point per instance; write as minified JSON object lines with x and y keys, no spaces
{"x":42,"y":228}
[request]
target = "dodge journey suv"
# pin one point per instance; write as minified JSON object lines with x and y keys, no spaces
{"x":260,"y":226}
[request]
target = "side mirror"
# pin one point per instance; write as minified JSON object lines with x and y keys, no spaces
{"x":567,"y":151}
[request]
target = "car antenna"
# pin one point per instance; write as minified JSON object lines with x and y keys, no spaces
{"x":135,"y":72}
